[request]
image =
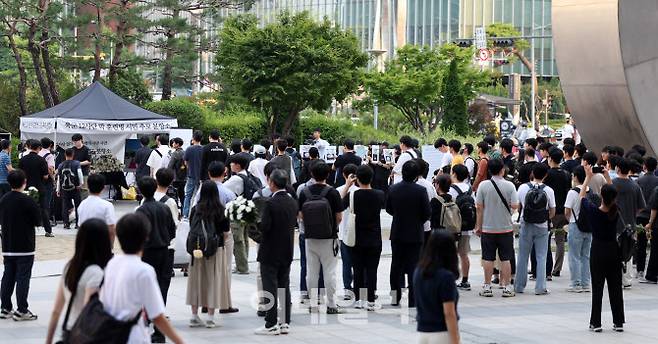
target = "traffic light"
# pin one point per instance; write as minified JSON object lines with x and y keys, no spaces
{"x":499,"y":63}
{"x":503,"y":42}
{"x":463,"y":43}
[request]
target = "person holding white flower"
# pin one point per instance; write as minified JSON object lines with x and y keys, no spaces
{"x":239,"y":165}
{"x":206,"y":274}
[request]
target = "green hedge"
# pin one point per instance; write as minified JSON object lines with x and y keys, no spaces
{"x":248,"y":125}
{"x":335,"y":130}
{"x":188,"y":114}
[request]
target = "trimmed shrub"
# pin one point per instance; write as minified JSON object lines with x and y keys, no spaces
{"x":188,"y":114}
{"x":248,"y":125}
{"x":335,"y":130}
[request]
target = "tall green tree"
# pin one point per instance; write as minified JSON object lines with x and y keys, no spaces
{"x":412,"y":82}
{"x":289,"y":65}
{"x":454,"y":103}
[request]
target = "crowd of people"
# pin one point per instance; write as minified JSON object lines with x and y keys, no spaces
{"x":535,"y":191}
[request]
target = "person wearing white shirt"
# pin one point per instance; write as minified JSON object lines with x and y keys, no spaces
{"x":568,"y":131}
{"x":320,"y":143}
{"x":431,"y":190}
{"x":94,"y":207}
{"x":460,"y":186}
{"x":445,"y":158}
{"x":579,"y":241}
{"x":130,"y":289}
{"x":158,"y":154}
{"x":406,"y":142}
{"x":469,"y":162}
{"x":257,"y":166}
{"x":240,"y":239}
{"x":347,"y":170}
{"x":534,"y":232}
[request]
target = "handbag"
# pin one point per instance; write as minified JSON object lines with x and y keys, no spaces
{"x":350,"y":228}
{"x":97,"y":326}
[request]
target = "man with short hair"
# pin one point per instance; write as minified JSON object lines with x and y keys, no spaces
{"x":193,"y":159}
{"x":345,"y":254}
{"x":348,"y":157}
{"x":408,"y":203}
{"x":141,"y":158}
{"x":461,"y":188}
{"x":407,"y":153}
{"x":454,"y":148}
{"x":534,"y":228}
{"x":37,"y":173}
{"x":49,"y":185}
{"x":313,"y":156}
{"x":213,"y":151}
{"x":424,"y":169}
{"x":495,"y":200}
{"x":320,"y":143}
{"x":156,"y":248}
{"x":445,"y":158}
{"x":506,"y":147}
{"x":648,"y":183}
{"x":283,"y":161}
{"x":257,"y":166}
{"x":483,"y":154}
{"x":469,"y":162}
{"x":5,"y":166}
{"x":69,"y":181}
{"x":560,"y":182}
{"x":160,"y":153}
{"x":177,"y":164}
{"x":245,"y":150}
{"x":525,"y":171}
{"x":19,"y":215}
{"x":81,"y":154}
{"x":95,"y":207}
{"x":630,"y":201}
{"x":321,"y":247}
{"x":275,"y":252}
{"x":241,"y":241}
{"x":295,"y":156}
{"x":580,"y":240}
{"x":569,"y":163}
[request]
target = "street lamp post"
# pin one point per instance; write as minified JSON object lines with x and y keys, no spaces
{"x":376,"y":54}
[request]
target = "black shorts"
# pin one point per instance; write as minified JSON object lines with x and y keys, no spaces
{"x":503,"y":243}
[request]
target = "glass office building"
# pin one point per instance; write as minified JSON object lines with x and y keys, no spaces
{"x":385,"y":25}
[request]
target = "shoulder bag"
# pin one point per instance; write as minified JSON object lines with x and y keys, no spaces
{"x":350,"y":228}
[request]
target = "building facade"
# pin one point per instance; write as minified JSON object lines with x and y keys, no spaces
{"x":385,"y":25}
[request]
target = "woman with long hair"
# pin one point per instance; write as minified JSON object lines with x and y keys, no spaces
{"x":206,"y":274}
{"x":605,"y":261}
{"x":83,"y":274}
{"x":436,"y":292}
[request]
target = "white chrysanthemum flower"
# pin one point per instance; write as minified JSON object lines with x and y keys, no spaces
{"x":239,"y":217}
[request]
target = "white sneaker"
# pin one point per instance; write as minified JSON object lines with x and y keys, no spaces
{"x":196,"y":321}
{"x":284,"y":328}
{"x":210,"y":324}
{"x":508,"y":292}
{"x":359,"y":304}
{"x":486,"y":291}
{"x":268,"y":331}
{"x":575,"y":289}
{"x":371,"y":307}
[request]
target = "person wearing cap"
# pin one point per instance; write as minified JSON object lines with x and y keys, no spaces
{"x":257,"y":166}
{"x":319,"y":143}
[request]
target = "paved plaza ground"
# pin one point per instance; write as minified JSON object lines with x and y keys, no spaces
{"x":560,"y":317}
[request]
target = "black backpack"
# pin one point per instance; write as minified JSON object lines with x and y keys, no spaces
{"x":318,"y":222}
{"x":251,"y":185}
{"x":68,"y":176}
{"x":626,"y":239}
{"x":535,"y":205}
{"x":582,"y":221}
{"x":466,"y":205}
{"x":201,"y":238}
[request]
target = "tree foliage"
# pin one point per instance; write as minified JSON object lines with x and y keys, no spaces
{"x":412,"y":82}
{"x":454,"y":103}
{"x":289,"y":65}
{"x":130,"y":85}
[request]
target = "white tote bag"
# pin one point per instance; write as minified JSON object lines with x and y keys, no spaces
{"x":350,"y":228}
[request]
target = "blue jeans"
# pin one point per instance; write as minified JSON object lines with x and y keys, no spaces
{"x":190,"y":188}
{"x":18,"y":271}
{"x":302,"y":264}
{"x":346,"y":258}
{"x":579,"y":247}
{"x":531,"y":234}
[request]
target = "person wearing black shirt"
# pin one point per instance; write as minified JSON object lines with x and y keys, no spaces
{"x":213,"y":151}
{"x":36,"y":171}
{"x":81,"y":154}
{"x":245,"y":151}
{"x":506,"y":146}
{"x":560,"y":181}
{"x":569,"y":163}
{"x":348,"y":157}
{"x":605,"y":261}
{"x":525,"y":171}
{"x":367,"y":249}
{"x":648,"y":183}
{"x":407,"y":202}
{"x":141,"y":157}
{"x":163,"y":230}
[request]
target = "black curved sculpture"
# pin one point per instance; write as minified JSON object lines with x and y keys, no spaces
{"x":607,"y":56}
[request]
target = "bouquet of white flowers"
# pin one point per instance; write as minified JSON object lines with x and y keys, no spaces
{"x":241,"y":210}
{"x":106,"y":164}
{"x":32,"y":192}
